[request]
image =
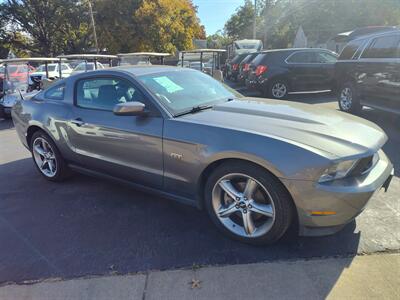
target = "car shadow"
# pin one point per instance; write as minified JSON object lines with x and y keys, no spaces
{"x":89,"y":226}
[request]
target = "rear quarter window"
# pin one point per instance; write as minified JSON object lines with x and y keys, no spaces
{"x":350,"y":50}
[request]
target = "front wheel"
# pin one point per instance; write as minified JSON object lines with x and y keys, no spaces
{"x":247,"y":203}
{"x":347,"y":98}
{"x":47,"y":157}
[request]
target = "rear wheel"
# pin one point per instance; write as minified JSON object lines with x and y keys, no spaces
{"x":247,"y":203}
{"x":278,"y":89}
{"x":47,"y":158}
{"x":348,"y":99}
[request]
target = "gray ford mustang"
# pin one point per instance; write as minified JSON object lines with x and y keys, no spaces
{"x":255,"y":165}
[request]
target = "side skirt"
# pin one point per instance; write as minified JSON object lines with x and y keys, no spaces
{"x":180,"y":199}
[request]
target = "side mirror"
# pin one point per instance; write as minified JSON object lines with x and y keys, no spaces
{"x":129,"y":109}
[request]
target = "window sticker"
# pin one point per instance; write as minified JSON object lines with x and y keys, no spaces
{"x":168,"y":84}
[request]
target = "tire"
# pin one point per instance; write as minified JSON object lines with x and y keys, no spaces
{"x":277,"y":89}
{"x":269,"y":196}
{"x":348,"y":99}
{"x":56,"y":168}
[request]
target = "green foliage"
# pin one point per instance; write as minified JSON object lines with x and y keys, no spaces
{"x":116,"y":27}
{"x":167,"y":25}
{"x":53,"y":26}
{"x":278,"y":20}
{"x":240,"y":24}
{"x":218,"y":40}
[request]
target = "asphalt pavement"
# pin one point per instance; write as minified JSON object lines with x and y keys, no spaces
{"x":88,"y":226}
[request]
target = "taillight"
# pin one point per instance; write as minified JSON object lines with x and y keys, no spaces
{"x":235,"y":67}
{"x":246,"y":67}
{"x":261,"y":69}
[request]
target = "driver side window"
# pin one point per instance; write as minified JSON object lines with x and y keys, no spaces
{"x":104,"y":93}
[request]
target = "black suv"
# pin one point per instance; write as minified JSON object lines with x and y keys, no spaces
{"x":276,"y":73}
{"x":368,"y":73}
{"x":232,"y":68}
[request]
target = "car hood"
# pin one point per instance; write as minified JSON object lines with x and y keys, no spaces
{"x":325,"y":131}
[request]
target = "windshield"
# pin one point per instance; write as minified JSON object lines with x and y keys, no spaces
{"x":179,"y":91}
{"x":50,"y":68}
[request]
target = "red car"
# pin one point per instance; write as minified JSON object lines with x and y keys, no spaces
{"x":17,"y":72}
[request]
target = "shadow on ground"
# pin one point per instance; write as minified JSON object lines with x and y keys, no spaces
{"x":87,"y":226}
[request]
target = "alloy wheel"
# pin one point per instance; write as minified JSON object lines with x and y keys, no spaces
{"x":279,"y":90}
{"x":44,"y":157}
{"x":243,"y":205}
{"x":346,"y":99}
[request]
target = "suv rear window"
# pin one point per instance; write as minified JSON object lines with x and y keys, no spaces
{"x":383,"y":47}
{"x":248,"y":58}
{"x":350,"y":49}
{"x":238,"y":58}
{"x":258,"y":59}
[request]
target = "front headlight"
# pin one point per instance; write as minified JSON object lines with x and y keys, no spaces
{"x":338,"y":170}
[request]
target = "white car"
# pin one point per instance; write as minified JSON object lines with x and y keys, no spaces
{"x":86,"y":66}
{"x":53,"y":71}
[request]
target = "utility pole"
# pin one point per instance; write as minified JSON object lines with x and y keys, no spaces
{"x":94,"y":26}
{"x":255,"y":20}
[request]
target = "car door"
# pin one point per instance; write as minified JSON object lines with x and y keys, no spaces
{"x":128,"y":147}
{"x":379,"y":66}
{"x":304,"y":73}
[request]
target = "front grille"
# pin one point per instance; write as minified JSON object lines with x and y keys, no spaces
{"x":364,"y":165}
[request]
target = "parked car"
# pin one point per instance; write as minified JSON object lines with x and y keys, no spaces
{"x":243,"y":47}
{"x":256,"y":165}
{"x":196,"y":65}
{"x":87,"y":66}
{"x":17,"y":73}
{"x":244,"y":67}
{"x":277,"y":73}
{"x":53,"y":72}
{"x":232,"y":68}
{"x":368,"y":73}
{"x":186,"y":64}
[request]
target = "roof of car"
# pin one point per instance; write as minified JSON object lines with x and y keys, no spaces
{"x":139,"y":70}
{"x":377,"y":34}
{"x":293,"y":49}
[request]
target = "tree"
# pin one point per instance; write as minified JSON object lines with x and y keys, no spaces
{"x":53,"y":26}
{"x":116,"y":26}
{"x":240,"y":24}
{"x":321,"y":19}
{"x":167,"y":25}
{"x":218,"y":40}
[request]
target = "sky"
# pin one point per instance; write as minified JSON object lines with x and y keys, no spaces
{"x":214,"y":13}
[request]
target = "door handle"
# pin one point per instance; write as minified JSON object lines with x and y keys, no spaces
{"x":78,"y":122}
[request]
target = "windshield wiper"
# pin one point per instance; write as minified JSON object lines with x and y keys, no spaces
{"x":194,"y":110}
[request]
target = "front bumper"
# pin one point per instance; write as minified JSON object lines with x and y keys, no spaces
{"x":346,"y":197}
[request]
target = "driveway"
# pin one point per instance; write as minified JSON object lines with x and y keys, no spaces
{"x":88,"y":226}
